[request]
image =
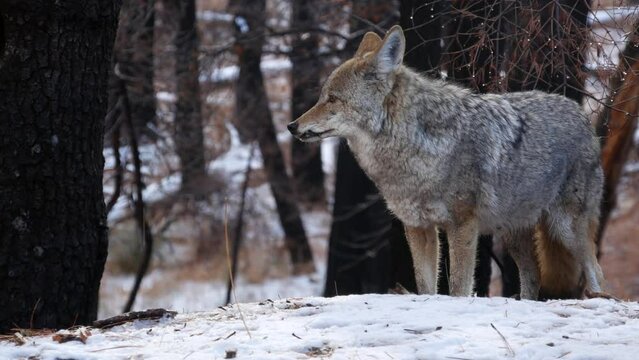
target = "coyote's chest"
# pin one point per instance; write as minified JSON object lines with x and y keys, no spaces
{"x":406,"y":180}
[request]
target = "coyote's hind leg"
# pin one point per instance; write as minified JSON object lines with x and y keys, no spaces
{"x":521,"y":247}
{"x":576,"y":233}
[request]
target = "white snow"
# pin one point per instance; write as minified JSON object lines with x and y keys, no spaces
{"x":209,"y":15}
{"x":614,"y":14}
{"x":368,"y":327}
{"x":192,"y":296}
{"x":166,"y":96}
{"x":269,"y":65}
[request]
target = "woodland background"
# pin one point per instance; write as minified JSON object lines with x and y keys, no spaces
{"x":201,"y":178}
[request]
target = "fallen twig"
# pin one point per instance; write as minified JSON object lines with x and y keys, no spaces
{"x":132,"y":316}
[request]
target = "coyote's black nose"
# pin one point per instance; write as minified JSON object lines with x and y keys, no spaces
{"x":292,"y":127}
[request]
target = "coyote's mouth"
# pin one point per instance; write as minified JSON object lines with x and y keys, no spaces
{"x":312,"y":135}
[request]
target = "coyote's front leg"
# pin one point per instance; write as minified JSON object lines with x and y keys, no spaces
{"x":462,"y":243}
{"x":424,"y":248}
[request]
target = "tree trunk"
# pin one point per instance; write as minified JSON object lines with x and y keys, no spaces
{"x":53,"y":233}
{"x":133,"y":52}
{"x":477,"y":44}
{"x":253,"y":114}
{"x":360,"y":244}
{"x":554,"y":65}
{"x":617,"y":125}
{"x":189,"y":138}
{"x":308,"y":175}
{"x":422,"y":23}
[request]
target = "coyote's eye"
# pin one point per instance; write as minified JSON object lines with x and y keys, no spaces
{"x":331,"y":99}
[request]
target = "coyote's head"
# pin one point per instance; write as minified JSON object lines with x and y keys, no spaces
{"x":353,"y":96}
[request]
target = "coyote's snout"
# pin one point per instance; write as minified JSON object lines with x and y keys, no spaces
{"x":521,"y":166}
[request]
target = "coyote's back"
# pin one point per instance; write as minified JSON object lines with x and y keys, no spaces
{"x":516,"y":165}
{"x":540,"y":146}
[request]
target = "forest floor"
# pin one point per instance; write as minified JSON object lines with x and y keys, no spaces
{"x":362,"y":327}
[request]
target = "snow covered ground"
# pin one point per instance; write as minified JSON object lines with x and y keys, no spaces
{"x":190,"y":295}
{"x":367,"y":327}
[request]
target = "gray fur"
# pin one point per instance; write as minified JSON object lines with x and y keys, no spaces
{"x":445,"y":157}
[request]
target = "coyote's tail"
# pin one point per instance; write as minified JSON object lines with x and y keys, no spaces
{"x":560,"y":274}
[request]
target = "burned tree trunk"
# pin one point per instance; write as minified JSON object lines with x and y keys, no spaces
{"x":550,"y":54}
{"x":306,"y":65}
{"x":253,"y":114}
{"x":359,"y":255}
{"x":422,"y":23}
{"x":189,"y":138}
{"x":53,"y":233}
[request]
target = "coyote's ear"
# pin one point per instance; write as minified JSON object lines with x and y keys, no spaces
{"x":370,"y":43}
{"x":391,"y":54}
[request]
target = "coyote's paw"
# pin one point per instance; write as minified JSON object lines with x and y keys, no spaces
{"x":596,"y":294}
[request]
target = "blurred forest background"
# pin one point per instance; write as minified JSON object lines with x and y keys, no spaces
{"x":201,"y":178}
{"x":212,"y":84}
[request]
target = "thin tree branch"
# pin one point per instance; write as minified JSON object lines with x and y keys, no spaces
{"x":237,"y":238}
{"x":143,"y":225}
{"x":119,"y":171}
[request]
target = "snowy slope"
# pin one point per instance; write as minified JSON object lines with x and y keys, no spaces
{"x":369,"y":327}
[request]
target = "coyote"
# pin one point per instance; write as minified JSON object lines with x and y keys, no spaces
{"x":522,"y":166}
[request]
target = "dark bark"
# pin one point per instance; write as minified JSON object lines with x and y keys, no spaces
{"x":477,"y":45}
{"x":150,"y":314}
{"x":133,"y":52}
{"x":361,"y":242}
{"x":509,"y":276}
{"x":189,"y":138}
{"x":554,"y":65}
{"x":422,"y":23}
{"x":53,"y":233}
{"x":255,"y":119}
{"x":306,"y":159}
